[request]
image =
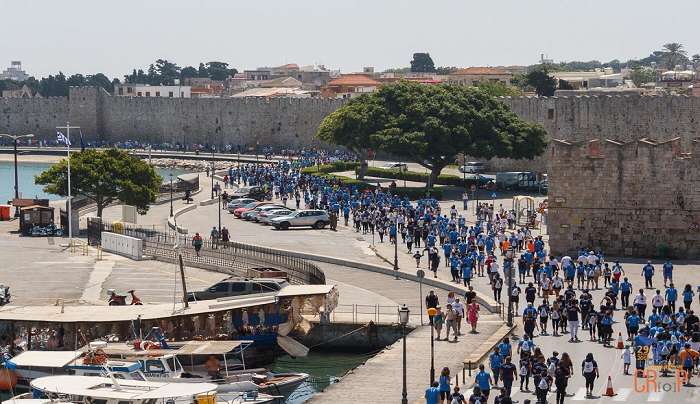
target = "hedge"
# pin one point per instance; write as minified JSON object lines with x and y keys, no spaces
{"x":412,"y":193}
{"x":333,"y":167}
{"x":443,"y":179}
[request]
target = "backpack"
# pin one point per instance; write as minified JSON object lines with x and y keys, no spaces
{"x":551,"y":369}
{"x":688,"y":362}
{"x":543,"y":384}
{"x":523,"y":370}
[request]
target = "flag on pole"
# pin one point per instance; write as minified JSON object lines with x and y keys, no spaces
{"x":82,"y":143}
{"x":61,"y":138}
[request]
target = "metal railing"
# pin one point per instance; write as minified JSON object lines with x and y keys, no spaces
{"x":230,"y":257}
{"x":364,"y":313}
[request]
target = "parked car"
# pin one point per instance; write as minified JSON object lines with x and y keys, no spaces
{"x":267,"y":215}
{"x":257,"y":193}
{"x":237,"y":286}
{"x":253,"y":213}
{"x":401,"y":167}
{"x":473,"y":167}
{"x":238,"y":202}
{"x":317,"y":219}
{"x":240,"y":211}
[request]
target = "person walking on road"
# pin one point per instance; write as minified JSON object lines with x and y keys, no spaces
{"x":432,"y":394}
{"x":473,"y":315}
{"x":589,"y":369}
{"x":484,"y":381}
{"x":561,"y":381}
{"x":640,"y":304}
{"x":450,"y":317}
{"x":509,"y":373}
{"x":197,"y":243}
{"x":444,"y":381}
{"x":648,"y":274}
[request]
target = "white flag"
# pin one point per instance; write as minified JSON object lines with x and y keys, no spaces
{"x":61,"y":138}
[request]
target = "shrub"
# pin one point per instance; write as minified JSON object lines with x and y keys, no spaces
{"x":333,"y":167}
{"x":412,"y":193}
{"x":443,"y":179}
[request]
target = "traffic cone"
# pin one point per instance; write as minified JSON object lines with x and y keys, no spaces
{"x":620,"y":342}
{"x":609,"y":392}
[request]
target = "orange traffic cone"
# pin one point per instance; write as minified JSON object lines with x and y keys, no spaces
{"x":609,"y":392}
{"x":620,"y":342}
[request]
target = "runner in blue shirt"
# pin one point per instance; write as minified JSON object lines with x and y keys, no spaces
{"x":671,"y":297}
{"x":687,"y":296}
{"x":504,"y":348}
{"x":648,"y":273}
{"x":447,"y":250}
{"x":625,"y":290}
{"x":483,"y":380}
{"x":668,"y":272}
{"x":495,"y":361}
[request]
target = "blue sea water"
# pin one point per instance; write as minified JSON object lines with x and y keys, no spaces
{"x":28,"y":189}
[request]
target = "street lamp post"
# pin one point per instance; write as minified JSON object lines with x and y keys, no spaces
{"x":212,"y":171}
{"x":431,"y":314}
{"x":403,"y":319}
{"x":396,"y":246}
{"x":219,"y":215}
{"x":14,"y":140}
{"x":510,"y":257}
{"x":171,"y":194}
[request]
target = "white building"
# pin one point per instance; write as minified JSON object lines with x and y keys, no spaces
{"x":145,"y":90}
{"x":14,"y":72}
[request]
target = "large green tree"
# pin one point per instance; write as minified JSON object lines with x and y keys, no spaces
{"x":431,"y":125}
{"x":541,"y":81}
{"x":422,"y":63}
{"x":104,"y":177}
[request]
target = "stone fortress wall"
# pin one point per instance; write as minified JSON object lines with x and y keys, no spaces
{"x":639,"y":198}
{"x":288,"y":122}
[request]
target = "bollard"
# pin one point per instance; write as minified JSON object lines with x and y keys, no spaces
{"x":457,"y":380}
{"x":99,"y":253}
{"x":464,"y":375}
{"x":470,"y":369}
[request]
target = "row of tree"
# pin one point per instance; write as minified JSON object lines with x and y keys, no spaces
{"x":163,"y":72}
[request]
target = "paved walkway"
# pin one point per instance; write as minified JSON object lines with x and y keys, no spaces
{"x":379,"y":380}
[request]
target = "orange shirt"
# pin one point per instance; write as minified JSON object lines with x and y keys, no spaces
{"x":684,"y":354}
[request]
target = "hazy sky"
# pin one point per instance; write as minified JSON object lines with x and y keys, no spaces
{"x":113,"y":37}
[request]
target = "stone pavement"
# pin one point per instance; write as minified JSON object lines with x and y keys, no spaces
{"x":379,"y":380}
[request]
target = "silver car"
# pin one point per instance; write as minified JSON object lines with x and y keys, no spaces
{"x":253,"y":213}
{"x":238,"y":203}
{"x":266,"y":216}
{"x":317,"y":219}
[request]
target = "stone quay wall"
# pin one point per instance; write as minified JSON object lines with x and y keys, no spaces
{"x":285,"y":122}
{"x":640,"y":198}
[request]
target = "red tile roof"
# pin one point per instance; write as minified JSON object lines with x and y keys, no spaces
{"x":483,"y":71}
{"x":358,"y":80}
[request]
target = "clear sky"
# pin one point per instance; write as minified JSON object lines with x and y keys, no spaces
{"x":113,"y":37}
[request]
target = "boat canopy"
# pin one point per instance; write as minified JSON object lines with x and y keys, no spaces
{"x":46,"y":359}
{"x":304,"y":290}
{"x":188,"y":348}
{"x":106,"y":388}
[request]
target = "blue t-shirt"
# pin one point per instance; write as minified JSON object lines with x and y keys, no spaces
{"x":633,"y":320}
{"x":625,"y":287}
{"x":648,"y":271}
{"x":432,"y":395}
{"x":482,"y":379}
{"x":687,"y":295}
{"x":672,"y":294}
{"x":668,"y":269}
{"x":495,"y":361}
{"x":504,"y":349}
{"x":444,"y":383}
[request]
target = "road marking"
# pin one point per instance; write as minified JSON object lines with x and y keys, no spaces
{"x":655,"y":396}
{"x":622,"y":395}
{"x":580,"y":394}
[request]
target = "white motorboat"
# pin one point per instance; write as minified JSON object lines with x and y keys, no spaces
{"x":110,"y":390}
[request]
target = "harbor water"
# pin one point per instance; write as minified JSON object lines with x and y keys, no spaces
{"x":323,"y":368}
{"x":28,"y":189}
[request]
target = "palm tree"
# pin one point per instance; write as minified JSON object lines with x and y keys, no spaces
{"x":696,"y":60}
{"x":674,"y":54}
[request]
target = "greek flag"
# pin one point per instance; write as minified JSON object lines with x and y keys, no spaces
{"x":61,"y":138}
